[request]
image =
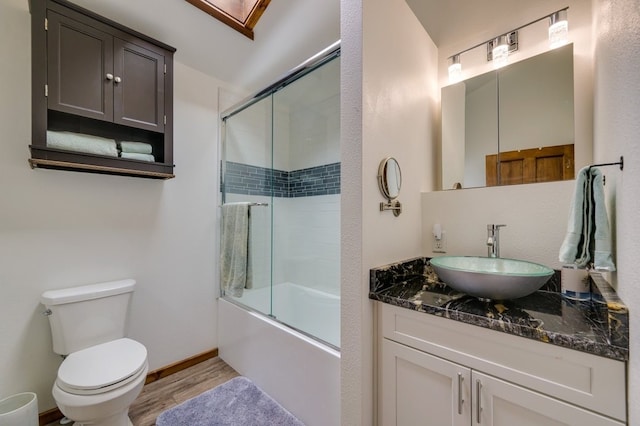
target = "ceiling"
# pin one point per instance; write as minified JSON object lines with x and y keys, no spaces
{"x":291,"y":31}
{"x":288,"y":33}
{"x":467,"y":22}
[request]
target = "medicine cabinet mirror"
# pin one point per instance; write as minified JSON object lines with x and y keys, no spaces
{"x":511,"y":126}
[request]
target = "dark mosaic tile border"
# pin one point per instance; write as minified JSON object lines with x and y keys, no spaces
{"x":253,"y":180}
{"x":599,"y":326}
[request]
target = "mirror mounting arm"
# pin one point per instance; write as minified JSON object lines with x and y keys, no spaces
{"x":392,"y":205}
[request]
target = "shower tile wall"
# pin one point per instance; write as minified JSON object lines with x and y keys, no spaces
{"x":310,"y":237}
{"x":306,"y":226}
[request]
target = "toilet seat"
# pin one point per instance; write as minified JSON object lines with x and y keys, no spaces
{"x":102,"y":368}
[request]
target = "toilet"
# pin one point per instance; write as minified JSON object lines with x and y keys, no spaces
{"x":103,"y":371}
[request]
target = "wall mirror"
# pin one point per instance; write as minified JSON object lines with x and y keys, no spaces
{"x":389,"y":182}
{"x":511,"y":126}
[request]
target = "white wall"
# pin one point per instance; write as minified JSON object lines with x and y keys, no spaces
{"x":617,"y":132}
{"x":61,"y":229}
{"x":535,"y":214}
{"x":389,"y":91}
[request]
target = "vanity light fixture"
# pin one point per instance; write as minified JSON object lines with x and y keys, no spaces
{"x":558,"y":29}
{"x":455,"y":69}
{"x":500,"y":51}
{"x":503,"y":45}
{"x":496,"y":52}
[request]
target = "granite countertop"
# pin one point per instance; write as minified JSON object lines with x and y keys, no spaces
{"x":599,"y":326}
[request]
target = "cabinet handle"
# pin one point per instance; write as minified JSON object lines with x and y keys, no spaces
{"x":460,"y":399}
{"x":478,"y":405}
{"x":118,"y":80}
{"x":109,"y":76}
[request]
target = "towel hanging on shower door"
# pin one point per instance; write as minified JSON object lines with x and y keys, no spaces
{"x":235,"y":262}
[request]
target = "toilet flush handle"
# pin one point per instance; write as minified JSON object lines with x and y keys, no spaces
{"x":47,"y":312}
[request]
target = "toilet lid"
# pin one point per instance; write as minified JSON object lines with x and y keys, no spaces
{"x":101,"y":366}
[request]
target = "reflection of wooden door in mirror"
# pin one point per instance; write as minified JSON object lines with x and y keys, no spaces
{"x":531,"y":165}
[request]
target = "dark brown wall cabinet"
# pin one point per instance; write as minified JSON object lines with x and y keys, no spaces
{"x":94,"y":76}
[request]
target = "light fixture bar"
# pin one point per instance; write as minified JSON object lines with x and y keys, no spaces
{"x":508,"y":32}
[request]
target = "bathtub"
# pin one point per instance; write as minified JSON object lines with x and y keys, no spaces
{"x":309,"y":311}
{"x":297,"y":370}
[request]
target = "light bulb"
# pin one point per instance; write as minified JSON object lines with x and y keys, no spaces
{"x":500,"y":52}
{"x":455,"y":69}
{"x":558,"y":29}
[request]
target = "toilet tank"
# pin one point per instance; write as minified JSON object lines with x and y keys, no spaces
{"x":87,"y":315}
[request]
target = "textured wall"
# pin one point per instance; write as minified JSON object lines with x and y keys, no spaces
{"x":389,"y":87}
{"x":617,"y":132}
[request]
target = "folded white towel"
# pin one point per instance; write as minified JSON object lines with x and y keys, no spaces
{"x":80,"y":142}
{"x":588,"y":239}
{"x":137,"y":147}
{"x":138,"y":156}
{"x":235,"y":263}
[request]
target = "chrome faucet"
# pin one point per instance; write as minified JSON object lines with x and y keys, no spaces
{"x":493,"y":240}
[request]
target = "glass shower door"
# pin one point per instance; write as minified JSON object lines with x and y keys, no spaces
{"x":247,"y":164}
{"x":281,"y":156}
{"x":306,"y":218}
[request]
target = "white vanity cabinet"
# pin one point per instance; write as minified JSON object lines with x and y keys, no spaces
{"x":434,"y":371}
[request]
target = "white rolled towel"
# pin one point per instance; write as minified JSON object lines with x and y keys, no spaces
{"x":80,"y":142}
{"x":136,"y":147}
{"x":138,"y":156}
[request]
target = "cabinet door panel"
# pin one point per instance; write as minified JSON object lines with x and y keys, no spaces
{"x":79,"y":59}
{"x":139,"y":93}
{"x":420,"y":389}
{"x":500,"y":403}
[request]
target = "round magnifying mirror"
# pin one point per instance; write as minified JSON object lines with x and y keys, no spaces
{"x":389,"y":178}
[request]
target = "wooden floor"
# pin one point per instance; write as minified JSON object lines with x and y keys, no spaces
{"x":176,"y":388}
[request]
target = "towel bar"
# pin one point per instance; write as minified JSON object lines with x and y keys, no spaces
{"x":620,"y":163}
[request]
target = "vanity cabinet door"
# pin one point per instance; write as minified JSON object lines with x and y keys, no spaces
{"x":500,"y":403}
{"x":79,"y":61}
{"x":138,"y":86}
{"x":420,"y":389}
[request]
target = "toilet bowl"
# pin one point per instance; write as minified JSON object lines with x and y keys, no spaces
{"x":103,"y":371}
{"x":96,"y":386}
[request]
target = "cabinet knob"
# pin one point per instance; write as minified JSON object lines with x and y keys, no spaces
{"x":118,"y":80}
{"x":109,"y":76}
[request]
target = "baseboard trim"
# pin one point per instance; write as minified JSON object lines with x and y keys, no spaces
{"x":50,"y":416}
{"x":180,"y":365}
{"x":55,"y":414}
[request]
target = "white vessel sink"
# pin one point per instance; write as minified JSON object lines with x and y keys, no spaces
{"x":491,"y":278}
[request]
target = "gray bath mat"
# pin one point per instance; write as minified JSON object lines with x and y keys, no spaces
{"x":234,"y":403}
